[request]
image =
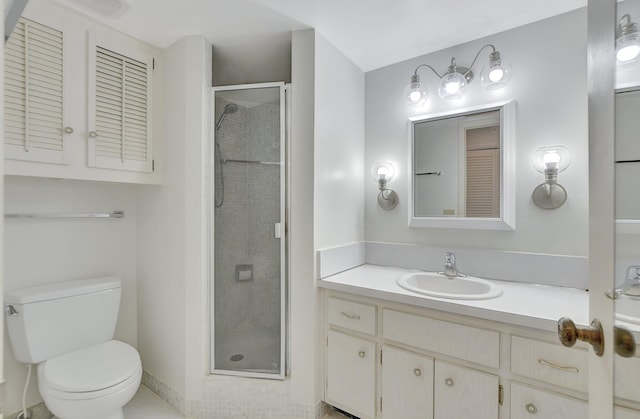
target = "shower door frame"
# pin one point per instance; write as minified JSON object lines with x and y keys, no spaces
{"x":284,"y":300}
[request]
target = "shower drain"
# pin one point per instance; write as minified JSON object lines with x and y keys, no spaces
{"x":237,"y":357}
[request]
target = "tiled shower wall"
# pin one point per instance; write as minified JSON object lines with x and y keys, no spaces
{"x":244,"y":224}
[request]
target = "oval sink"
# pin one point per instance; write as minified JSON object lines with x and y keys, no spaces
{"x":437,"y":285}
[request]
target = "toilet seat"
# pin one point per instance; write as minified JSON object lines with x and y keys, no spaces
{"x":91,"y":372}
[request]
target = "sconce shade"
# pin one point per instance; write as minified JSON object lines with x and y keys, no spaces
{"x":452,"y":85}
{"x":417,"y":95}
{"x":382,"y":170}
{"x":548,"y":156}
{"x":627,"y":40}
{"x":496,"y":74}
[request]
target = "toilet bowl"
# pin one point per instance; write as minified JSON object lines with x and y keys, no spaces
{"x":67,"y":330}
{"x":94,"y":382}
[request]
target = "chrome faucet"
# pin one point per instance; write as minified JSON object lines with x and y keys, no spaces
{"x":631,"y":285}
{"x":450,"y":269}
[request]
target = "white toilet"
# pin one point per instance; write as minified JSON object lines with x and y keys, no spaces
{"x":67,"y":329}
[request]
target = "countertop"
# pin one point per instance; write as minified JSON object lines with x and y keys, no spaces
{"x":521,"y":304}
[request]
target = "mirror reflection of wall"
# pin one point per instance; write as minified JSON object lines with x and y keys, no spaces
{"x":627,"y":155}
{"x":457,"y":166}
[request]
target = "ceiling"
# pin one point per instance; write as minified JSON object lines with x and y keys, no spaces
{"x":372,"y":33}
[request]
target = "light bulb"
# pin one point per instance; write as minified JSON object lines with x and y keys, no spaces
{"x":627,"y":41}
{"x":382,"y":171}
{"x":627,"y":49}
{"x":551,"y":159}
{"x":452,"y":86}
{"x":496,"y":74}
{"x":417,"y":94}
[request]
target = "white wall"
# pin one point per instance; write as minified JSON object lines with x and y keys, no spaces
{"x":550,"y":88}
{"x":171,"y":233}
{"x":41,"y":251}
{"x":338,"y":148}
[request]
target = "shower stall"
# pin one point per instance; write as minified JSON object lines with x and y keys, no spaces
{"x":247,"y":231}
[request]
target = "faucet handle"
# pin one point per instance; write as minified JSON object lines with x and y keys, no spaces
{"x":450,"y":257}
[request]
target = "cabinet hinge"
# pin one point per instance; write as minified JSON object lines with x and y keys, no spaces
{"x":153,"y":165}
{"x":500,"y":394}
{"x":153,"y":63}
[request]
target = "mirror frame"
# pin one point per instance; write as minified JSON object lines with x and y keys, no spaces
{"x":507,"y":219}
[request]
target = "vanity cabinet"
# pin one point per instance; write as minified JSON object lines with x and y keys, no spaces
{"x":79,"y":101}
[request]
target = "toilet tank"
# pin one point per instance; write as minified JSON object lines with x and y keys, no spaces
{"x":50,"y":320}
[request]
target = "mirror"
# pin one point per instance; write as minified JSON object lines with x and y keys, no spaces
{"x":462,"y":168}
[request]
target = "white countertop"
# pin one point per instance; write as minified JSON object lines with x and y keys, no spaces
{"x":522,"y":304}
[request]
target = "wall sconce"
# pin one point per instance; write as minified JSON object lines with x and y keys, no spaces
{"x":550,"y":160}
{"x":383,"y":172}
{"x":494,"y":75}
{"x":627,"y":40}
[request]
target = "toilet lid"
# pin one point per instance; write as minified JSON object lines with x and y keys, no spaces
{"x":94,"y":368}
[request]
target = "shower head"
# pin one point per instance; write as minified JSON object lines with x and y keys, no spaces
{"x":229,"y":109}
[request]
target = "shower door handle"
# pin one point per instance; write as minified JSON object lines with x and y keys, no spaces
{"x":277,"y":230}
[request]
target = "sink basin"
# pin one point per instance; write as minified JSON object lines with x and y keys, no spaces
{"x":460,"y":288}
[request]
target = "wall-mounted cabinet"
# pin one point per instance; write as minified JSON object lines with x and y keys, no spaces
{"x":81,"y":101}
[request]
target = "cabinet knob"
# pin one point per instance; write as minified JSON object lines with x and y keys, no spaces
{"x":449,"y":382}
{"x":417,"y":372}
{"x":361,"y":354}
{"x":93,"y":134}
{"x":68,"y":130}
{"x":531,"y":408}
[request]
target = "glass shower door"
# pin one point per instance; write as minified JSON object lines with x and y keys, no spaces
{"x":248,"y":252}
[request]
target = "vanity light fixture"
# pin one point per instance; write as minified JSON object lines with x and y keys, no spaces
{"x":495,"y":75}
{"x":383,"y":172}
{"x":627,"y":40}
{"x":550,"y":160}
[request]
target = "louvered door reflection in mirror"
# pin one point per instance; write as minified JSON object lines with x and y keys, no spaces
{"x":120,"y":87}
{"x":34,"y":94}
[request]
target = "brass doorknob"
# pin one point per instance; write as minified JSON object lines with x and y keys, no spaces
{"x":625,"y":343}
{"x":569,"y":334}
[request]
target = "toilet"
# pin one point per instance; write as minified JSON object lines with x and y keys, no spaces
{"x":67,"y":329}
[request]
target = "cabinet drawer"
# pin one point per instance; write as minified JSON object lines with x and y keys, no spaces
{"x":550,"y":363}
{"x":351,"y":315}
{"x":463,"y":342}
{"x":529,"y":403}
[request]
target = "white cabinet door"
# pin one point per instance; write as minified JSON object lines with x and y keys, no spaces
{"x":407,"y":385}
{"x":34,"y":89}
{"x":529,"y":403}
{"x":119,"y":99}
{"x":351,"y":374}
{"x":463,"y":393}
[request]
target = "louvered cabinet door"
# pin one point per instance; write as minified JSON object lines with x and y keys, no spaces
{"x":120,"y":87}
{"x":34,"y":94}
